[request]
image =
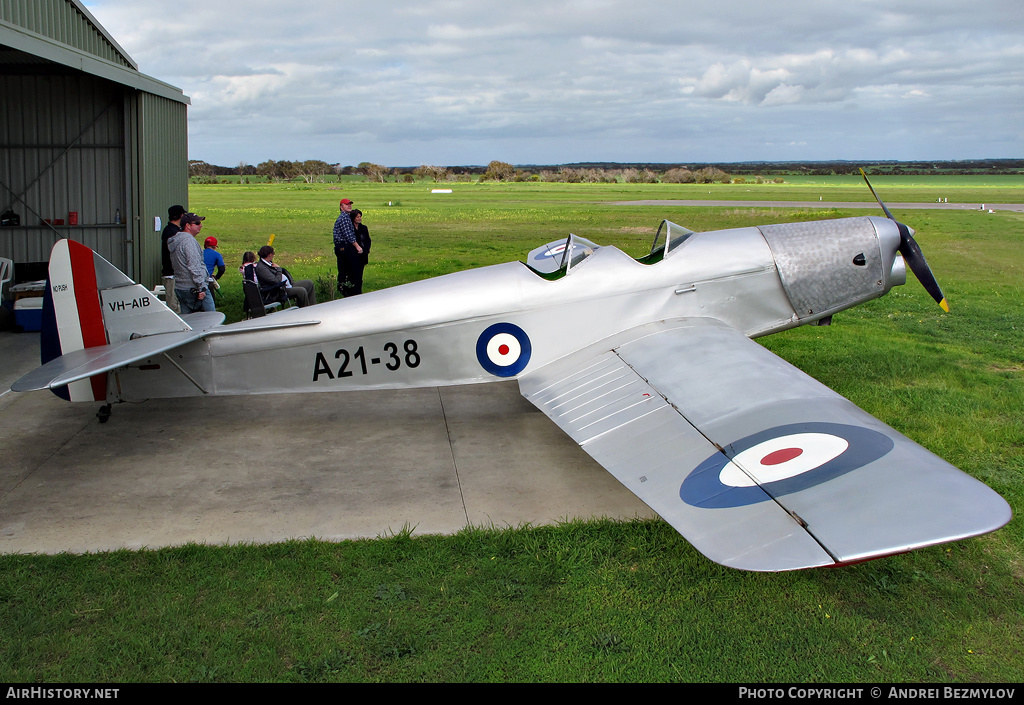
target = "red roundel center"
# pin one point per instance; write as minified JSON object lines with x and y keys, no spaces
{"x":781,"y":456}
{"x":503,"y":349}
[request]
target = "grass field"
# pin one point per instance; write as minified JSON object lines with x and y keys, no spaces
{"x":421,"y":234}
{"x":601,"y":600}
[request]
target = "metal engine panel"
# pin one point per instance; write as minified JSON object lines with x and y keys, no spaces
{"x":827,"y":265}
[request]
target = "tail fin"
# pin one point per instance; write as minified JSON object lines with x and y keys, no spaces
{"x":89,"y":303}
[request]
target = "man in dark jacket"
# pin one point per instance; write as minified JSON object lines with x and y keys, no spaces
{"x":270,"y":277}
{"x":172,"y":228}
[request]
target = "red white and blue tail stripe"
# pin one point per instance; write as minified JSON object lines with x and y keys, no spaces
{"x":72,"y":315}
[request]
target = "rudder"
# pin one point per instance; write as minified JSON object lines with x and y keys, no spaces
{"x":89,"y":302}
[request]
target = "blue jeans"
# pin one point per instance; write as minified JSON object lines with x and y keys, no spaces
{"x":190,"y":303}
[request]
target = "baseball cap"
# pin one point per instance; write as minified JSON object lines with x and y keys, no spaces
{"x":211,"y":242}
{"x":344,"y":201}
{"x":192,"y":218}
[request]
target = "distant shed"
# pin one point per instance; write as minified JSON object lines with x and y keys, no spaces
{"x":86,"y":137}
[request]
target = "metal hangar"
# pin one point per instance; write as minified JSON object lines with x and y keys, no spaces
{"x":90,"y":148}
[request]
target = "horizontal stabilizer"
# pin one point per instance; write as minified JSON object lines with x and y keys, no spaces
{"x":87,"y":362}
{"x":81,"y":364}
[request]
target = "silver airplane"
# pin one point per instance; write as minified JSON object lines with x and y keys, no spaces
{"x":647,"y":363}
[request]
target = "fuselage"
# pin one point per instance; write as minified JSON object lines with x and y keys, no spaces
{"x":501,"y":321}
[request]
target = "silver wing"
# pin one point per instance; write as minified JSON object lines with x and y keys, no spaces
{"x":757,"y":464}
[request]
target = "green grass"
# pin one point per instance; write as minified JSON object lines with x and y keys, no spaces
{"x":423,"y":234}
{"x":586,"y":601}
{"x":596,"y":601}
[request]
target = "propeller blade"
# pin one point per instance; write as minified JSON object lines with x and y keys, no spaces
{"x":888,"y":214}
{"x":912,"y":254}
{"x":914,"y":258}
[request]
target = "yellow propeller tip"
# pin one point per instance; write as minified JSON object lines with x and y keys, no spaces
{"x":944,"y":305}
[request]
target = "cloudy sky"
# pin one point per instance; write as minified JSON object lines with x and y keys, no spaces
{"x":451,"y":82}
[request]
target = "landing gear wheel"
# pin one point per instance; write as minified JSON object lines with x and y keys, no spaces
{"x":104,"y":413}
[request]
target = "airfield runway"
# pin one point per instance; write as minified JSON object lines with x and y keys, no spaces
{"x":1016,"y":207}
{"x":269,"y":468}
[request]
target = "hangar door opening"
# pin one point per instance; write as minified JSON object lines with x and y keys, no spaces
{"x":63,"y":168}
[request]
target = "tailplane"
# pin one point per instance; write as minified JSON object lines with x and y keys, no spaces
{"x":90,"y":303}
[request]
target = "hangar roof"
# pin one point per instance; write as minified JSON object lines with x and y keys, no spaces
{"x":29,"y":33}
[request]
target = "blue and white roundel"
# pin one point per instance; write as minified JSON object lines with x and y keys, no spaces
{"x":784,"y":459}
{"x":503,"y":349}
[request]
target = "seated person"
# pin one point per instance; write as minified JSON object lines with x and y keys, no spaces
{"x":265,"y":297}
{"x":248,"y":268}
{"x":269,"y":275}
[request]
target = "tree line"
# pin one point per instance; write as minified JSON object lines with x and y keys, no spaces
{"x":315,"y":170}
{"x":310,"y":170}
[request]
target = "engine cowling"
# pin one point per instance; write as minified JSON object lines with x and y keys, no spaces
{"x":828,"y":266}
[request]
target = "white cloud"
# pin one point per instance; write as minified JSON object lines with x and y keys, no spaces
{"x":453,"y":81}
{"x":784,"y":94}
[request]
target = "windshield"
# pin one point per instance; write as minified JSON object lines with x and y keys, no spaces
{"x":558,"y":258}
{"x":672,"y":234}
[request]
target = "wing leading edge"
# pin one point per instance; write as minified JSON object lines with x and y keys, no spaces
{"x":757,"y":464}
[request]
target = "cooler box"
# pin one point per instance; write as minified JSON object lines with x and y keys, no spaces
{"x":28,"y":289}
{"x":28,"y":313}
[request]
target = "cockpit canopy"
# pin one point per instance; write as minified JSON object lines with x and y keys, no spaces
{"x":558,"y":258}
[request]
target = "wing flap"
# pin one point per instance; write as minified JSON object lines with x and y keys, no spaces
{"x":757,"y":464}
{"x":628,"y":427}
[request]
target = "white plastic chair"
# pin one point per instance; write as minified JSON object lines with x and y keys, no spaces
{"x":6,"y":273}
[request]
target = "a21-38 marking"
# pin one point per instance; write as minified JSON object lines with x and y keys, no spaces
{"x":348,"y":364}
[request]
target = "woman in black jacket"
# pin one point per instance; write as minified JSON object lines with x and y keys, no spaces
{"x":360,"y":260}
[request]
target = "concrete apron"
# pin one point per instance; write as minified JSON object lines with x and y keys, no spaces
{"x":269,"y":468}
